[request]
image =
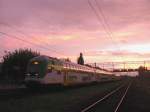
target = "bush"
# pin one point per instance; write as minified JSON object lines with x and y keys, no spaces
{"x":142,"y":71}
{"x":14,"y":64}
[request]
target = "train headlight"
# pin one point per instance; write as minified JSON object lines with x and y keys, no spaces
{"x":28,"y":74}
{"x":36,"y":74}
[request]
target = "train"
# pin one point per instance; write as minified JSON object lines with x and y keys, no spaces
{"x":45,"y":70}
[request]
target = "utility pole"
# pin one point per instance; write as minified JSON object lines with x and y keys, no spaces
{"x":144,"y":64}
{"x":103,"y":66}
{"x":124,"y":65}
{"x":95,"y":64}
{"x":113,"y":67}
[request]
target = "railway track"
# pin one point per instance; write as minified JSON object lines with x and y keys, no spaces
{"x":111,"y":102}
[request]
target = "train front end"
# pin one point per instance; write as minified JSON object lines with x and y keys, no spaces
{"x":36,"y":71}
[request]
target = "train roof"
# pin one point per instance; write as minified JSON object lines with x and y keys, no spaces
{"x":44,"y":57}
{"x":72,"y":65}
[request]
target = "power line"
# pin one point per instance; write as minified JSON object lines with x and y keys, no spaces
{"x":105,"y":21}
{"x":105,"y":24}
{"x":28,"y":42}
{"x":99,"y":19}
{"x":123,"y":64}
{"x":104,"y":17}
{"x":26,"y":35}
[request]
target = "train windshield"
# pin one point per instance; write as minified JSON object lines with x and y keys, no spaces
{"x":34,"y":67}
{"x":37,"y":67}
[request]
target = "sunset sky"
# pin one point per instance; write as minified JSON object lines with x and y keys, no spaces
{"x":64,"y":28}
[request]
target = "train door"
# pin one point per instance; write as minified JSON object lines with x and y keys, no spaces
{"x":54,"y":74}
{"x":65,"y":78}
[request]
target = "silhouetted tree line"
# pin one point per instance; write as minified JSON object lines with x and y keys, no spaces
{"x":143,"y":71}
{"x":14,"y":65}
{"x":125,"y":70}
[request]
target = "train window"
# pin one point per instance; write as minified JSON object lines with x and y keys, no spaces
{"x":82,"y":68}
{"x":49,"y":70}
{"x":66,"y":65}
{"x":59,"y":72}
{"x":70,"y":66}
{"x":78,"y":68}
{"x":73,"y":66}
{"x":53,"y":62}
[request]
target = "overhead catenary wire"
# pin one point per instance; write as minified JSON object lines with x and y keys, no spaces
{"x":29,"y":42}
{"x":102,"y":20}
{"x":26,"y":35}
{"x":103,"y":17}
{"x":99,"y":19}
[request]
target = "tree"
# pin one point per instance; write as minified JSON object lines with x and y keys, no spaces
{"x":14,"y":64}
{"x":142,"y":70}
{"x":80,"y":60}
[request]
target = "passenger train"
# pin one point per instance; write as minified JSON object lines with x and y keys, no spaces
{"x":44,"y":70}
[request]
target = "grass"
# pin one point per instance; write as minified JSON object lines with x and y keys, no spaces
{"x":58,"y":101}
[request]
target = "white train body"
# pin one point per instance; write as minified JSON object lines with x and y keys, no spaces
{"x":47,"y":70}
